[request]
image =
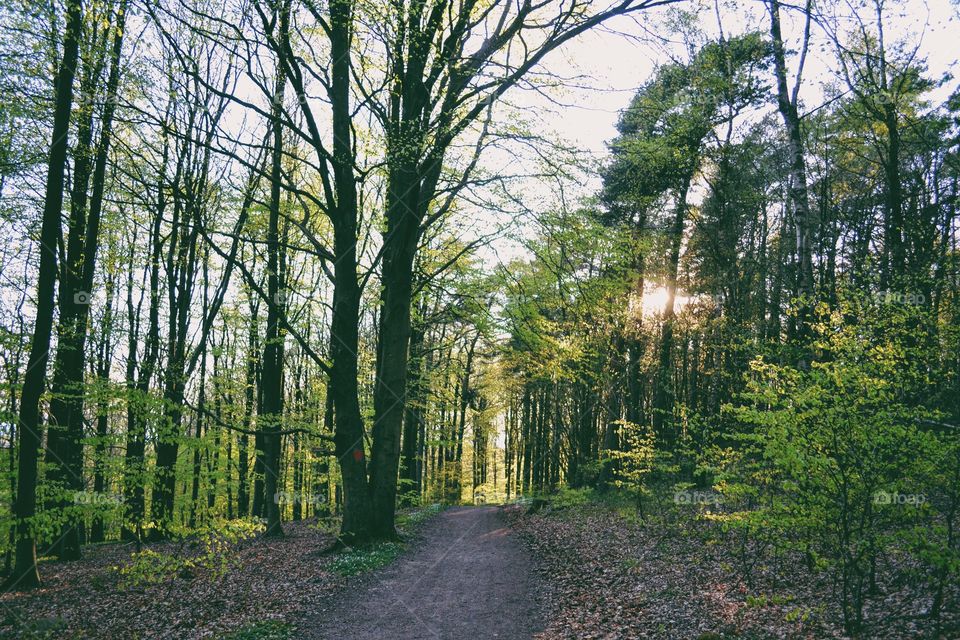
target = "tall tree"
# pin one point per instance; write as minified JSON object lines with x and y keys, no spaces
{"x":805,"y":223}
{"x":25,"y":574}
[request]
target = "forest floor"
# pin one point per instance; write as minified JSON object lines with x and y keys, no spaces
{"x":468,"y":577}
{"x":611,"y":575}
{"x":562,"y":568}
{"x":223,"y":587}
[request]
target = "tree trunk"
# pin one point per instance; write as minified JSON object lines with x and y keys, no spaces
{"x":663,"y":395}
{"x":412,"y":422}
{"x":25,"y":574}
{"x":349,"y":429}
{"x":799,"y":194}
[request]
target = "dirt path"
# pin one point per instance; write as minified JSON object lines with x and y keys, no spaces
{"x":467,"y":578}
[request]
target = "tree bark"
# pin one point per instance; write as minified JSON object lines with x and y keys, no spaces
{"x":799,"y":194}
{"x":25,"y":574}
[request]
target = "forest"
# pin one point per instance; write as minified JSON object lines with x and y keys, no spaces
{"x":479,"y":318}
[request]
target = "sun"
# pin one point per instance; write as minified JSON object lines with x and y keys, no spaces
{"x":655,"y":301}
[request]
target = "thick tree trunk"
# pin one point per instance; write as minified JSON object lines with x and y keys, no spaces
{"x":64,"y":455}
{"x":349,"y":428}
{"x":390,"y":392}
{"x":25,"y":574}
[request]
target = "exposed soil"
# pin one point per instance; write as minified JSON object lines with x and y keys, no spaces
{"x":468,"y":577}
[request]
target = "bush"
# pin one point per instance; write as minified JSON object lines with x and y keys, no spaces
{"x":266,"y":630}
{"x":218,"y":543}
{"x":837,"y":462}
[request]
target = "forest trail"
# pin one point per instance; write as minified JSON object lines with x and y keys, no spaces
{"x":468,"y":577}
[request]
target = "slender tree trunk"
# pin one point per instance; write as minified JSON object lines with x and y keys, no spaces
{"x":198,"y":444}
{"x":414,"y":414}
{"x":138,"y":405}
{"x":799,"y":195}
{"x":249,"y":391}
{"x":103,"y":410}
{"x":663,"y":395}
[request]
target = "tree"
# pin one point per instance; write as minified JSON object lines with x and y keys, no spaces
{"x":660,"y":150}
{"x":787,"y":104}
{"x":440,"y":87}
{"x":25,"y":573}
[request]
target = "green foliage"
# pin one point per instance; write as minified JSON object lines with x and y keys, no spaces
{"x":835,"y":462}
{"x":217,"y":544}
{"x":566,"y":498}
{"x":636,"y":459}
{"x":662,"y":132}
{"x":411,"y":519}
{"x":265,"y":630}
{"x":150,"y":567}
{"x":365,"y":558}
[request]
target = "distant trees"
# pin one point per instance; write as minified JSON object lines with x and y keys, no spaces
{"x":270,"y":303}
{"x":660,"y":151}
{"x":286,"y":322}
{"x":778,"y":338}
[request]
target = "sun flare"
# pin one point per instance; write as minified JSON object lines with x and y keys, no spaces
{"x":655,"y":300}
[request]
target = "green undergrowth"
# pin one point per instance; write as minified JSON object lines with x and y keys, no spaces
{"x":264,"y":630}
{"x":565,"y":499}
{"x":212,"y":549}
{"x":42,"y":629}
{"x":362,"y":559}
{"x":407,"y":521}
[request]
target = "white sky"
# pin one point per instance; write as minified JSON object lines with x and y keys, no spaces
{"x":618,"y":64}
{"x":612,"y":62}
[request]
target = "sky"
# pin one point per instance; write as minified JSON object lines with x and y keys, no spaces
{"x":610,"y":63}
{"x":617,"y":59}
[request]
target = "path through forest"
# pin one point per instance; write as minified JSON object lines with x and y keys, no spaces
{"x":468,"y":577}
